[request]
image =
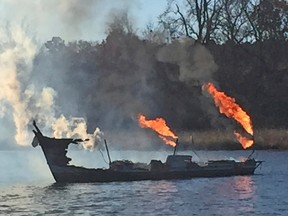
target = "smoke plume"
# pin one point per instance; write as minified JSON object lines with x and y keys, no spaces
{"x":21,"y":99}
{"x":44,"y":92}
{"x":16,"y":59}
{"x":196,"y":67}
{"x":196,"y":64}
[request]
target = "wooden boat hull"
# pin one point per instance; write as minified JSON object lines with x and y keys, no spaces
{"x":175,"y":167}
{"x":74,"y":174}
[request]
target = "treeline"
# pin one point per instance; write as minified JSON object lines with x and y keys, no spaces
{"x":221,"y":21}
{"x":128,"y":73}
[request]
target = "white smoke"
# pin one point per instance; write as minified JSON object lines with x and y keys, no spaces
{"x":16,"y":59}
{"x":76,"y":127}
{"x":20,"y":97}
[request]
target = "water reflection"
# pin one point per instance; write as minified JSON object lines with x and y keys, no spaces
{"x":162,"y":187}
{"x":163,"y":190}
{"x":233,"y":195}
{"x":245,"y":188}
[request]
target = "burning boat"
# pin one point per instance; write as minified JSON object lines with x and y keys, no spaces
{"x":175,"y":167}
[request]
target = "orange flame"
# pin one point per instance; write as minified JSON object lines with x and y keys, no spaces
{"x":160,"y":127}
{"x":245,"y":142}
{"x":231,"y":109}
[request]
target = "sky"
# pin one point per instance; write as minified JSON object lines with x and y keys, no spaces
{"x":75,"y":19}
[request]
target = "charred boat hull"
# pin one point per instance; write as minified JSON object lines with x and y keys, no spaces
{"x":175,"y":167}
{"x":83,"y":175}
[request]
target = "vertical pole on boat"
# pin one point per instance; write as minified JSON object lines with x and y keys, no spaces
{"x":252,"y":149}
{"x":175,"y":147}
{"x":107,"y":152}
{"x":192,"y":139}
{"x":251,"y":154}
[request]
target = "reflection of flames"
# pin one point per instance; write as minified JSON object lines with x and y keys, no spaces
{"x":245,"y":187}
{"x":231,"y":109}
{"x":160,"y":127}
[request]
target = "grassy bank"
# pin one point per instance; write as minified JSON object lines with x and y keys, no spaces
{"x":225,"y":140}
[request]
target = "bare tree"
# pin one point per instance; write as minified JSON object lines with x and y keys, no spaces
{"x":234,"y":24}
{"x":198,"y":21}
{"x":207,"y":14}
{"x":268,"y":19}
{"x":155,"y":34}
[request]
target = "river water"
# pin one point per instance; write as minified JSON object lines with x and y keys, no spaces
{"x":27,"y":188}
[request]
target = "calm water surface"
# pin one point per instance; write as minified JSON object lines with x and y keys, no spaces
{"x":27,"y":188}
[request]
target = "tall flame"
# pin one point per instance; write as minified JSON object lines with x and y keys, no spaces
{"x":160,"y":127}
{"x":231,"y":109}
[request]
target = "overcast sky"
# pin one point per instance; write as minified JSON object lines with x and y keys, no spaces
{"x":75,"y":19}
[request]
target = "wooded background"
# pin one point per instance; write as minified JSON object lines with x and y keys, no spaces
{"x":240,"y":46}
